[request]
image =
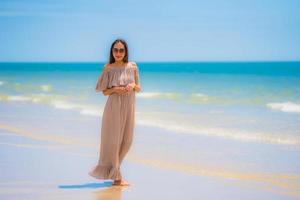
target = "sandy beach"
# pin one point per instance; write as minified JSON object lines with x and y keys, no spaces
{"x":50,"y":160}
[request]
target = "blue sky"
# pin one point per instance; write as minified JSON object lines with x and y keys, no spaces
{"x":156,"y":30}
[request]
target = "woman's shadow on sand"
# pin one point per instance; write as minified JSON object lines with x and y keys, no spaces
{"x":87,"y":185}
{"x":108,"y":192}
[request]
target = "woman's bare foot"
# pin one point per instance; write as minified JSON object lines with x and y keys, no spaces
{"x":121,"y":183}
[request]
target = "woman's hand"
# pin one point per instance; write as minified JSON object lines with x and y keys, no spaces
{"x":120,"y":89}
{"x":129,"y":87}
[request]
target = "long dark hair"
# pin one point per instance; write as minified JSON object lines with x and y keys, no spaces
{"x":111,"y":57}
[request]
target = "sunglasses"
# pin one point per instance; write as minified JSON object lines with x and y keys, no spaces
{"x":116,"y":50}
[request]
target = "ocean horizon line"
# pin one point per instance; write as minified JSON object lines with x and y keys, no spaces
{"x":171,"y":61}
{"x":258,"y":68}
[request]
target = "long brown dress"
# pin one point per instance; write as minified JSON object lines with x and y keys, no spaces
{"x":118,"y":120}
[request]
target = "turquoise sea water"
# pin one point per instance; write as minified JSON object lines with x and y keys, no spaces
{"x":244,"y":101}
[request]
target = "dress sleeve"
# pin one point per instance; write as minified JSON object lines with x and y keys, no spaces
{"x":102,"y":82}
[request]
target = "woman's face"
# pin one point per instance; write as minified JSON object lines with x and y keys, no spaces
{"x":118,"y":51}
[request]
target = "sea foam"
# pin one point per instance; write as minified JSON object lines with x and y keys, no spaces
{"x":285,"y":106}
{"x":158,"y":95}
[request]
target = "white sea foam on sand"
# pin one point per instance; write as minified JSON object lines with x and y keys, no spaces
{"x":234,"y":134}
{"x":91,"y":112}
{"x":285,"y":106}
{"x":161,"y":95}
{"x":63,"y":104}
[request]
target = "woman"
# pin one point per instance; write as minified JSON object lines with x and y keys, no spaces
{"x":119,"y":81}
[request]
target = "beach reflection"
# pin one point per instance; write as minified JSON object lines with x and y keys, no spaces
{"x":111,"y":193}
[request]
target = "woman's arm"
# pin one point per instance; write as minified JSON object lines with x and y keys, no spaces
{"x":137,"y":85}
{"x":108,"y":91}
{"x":115,"y":89}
